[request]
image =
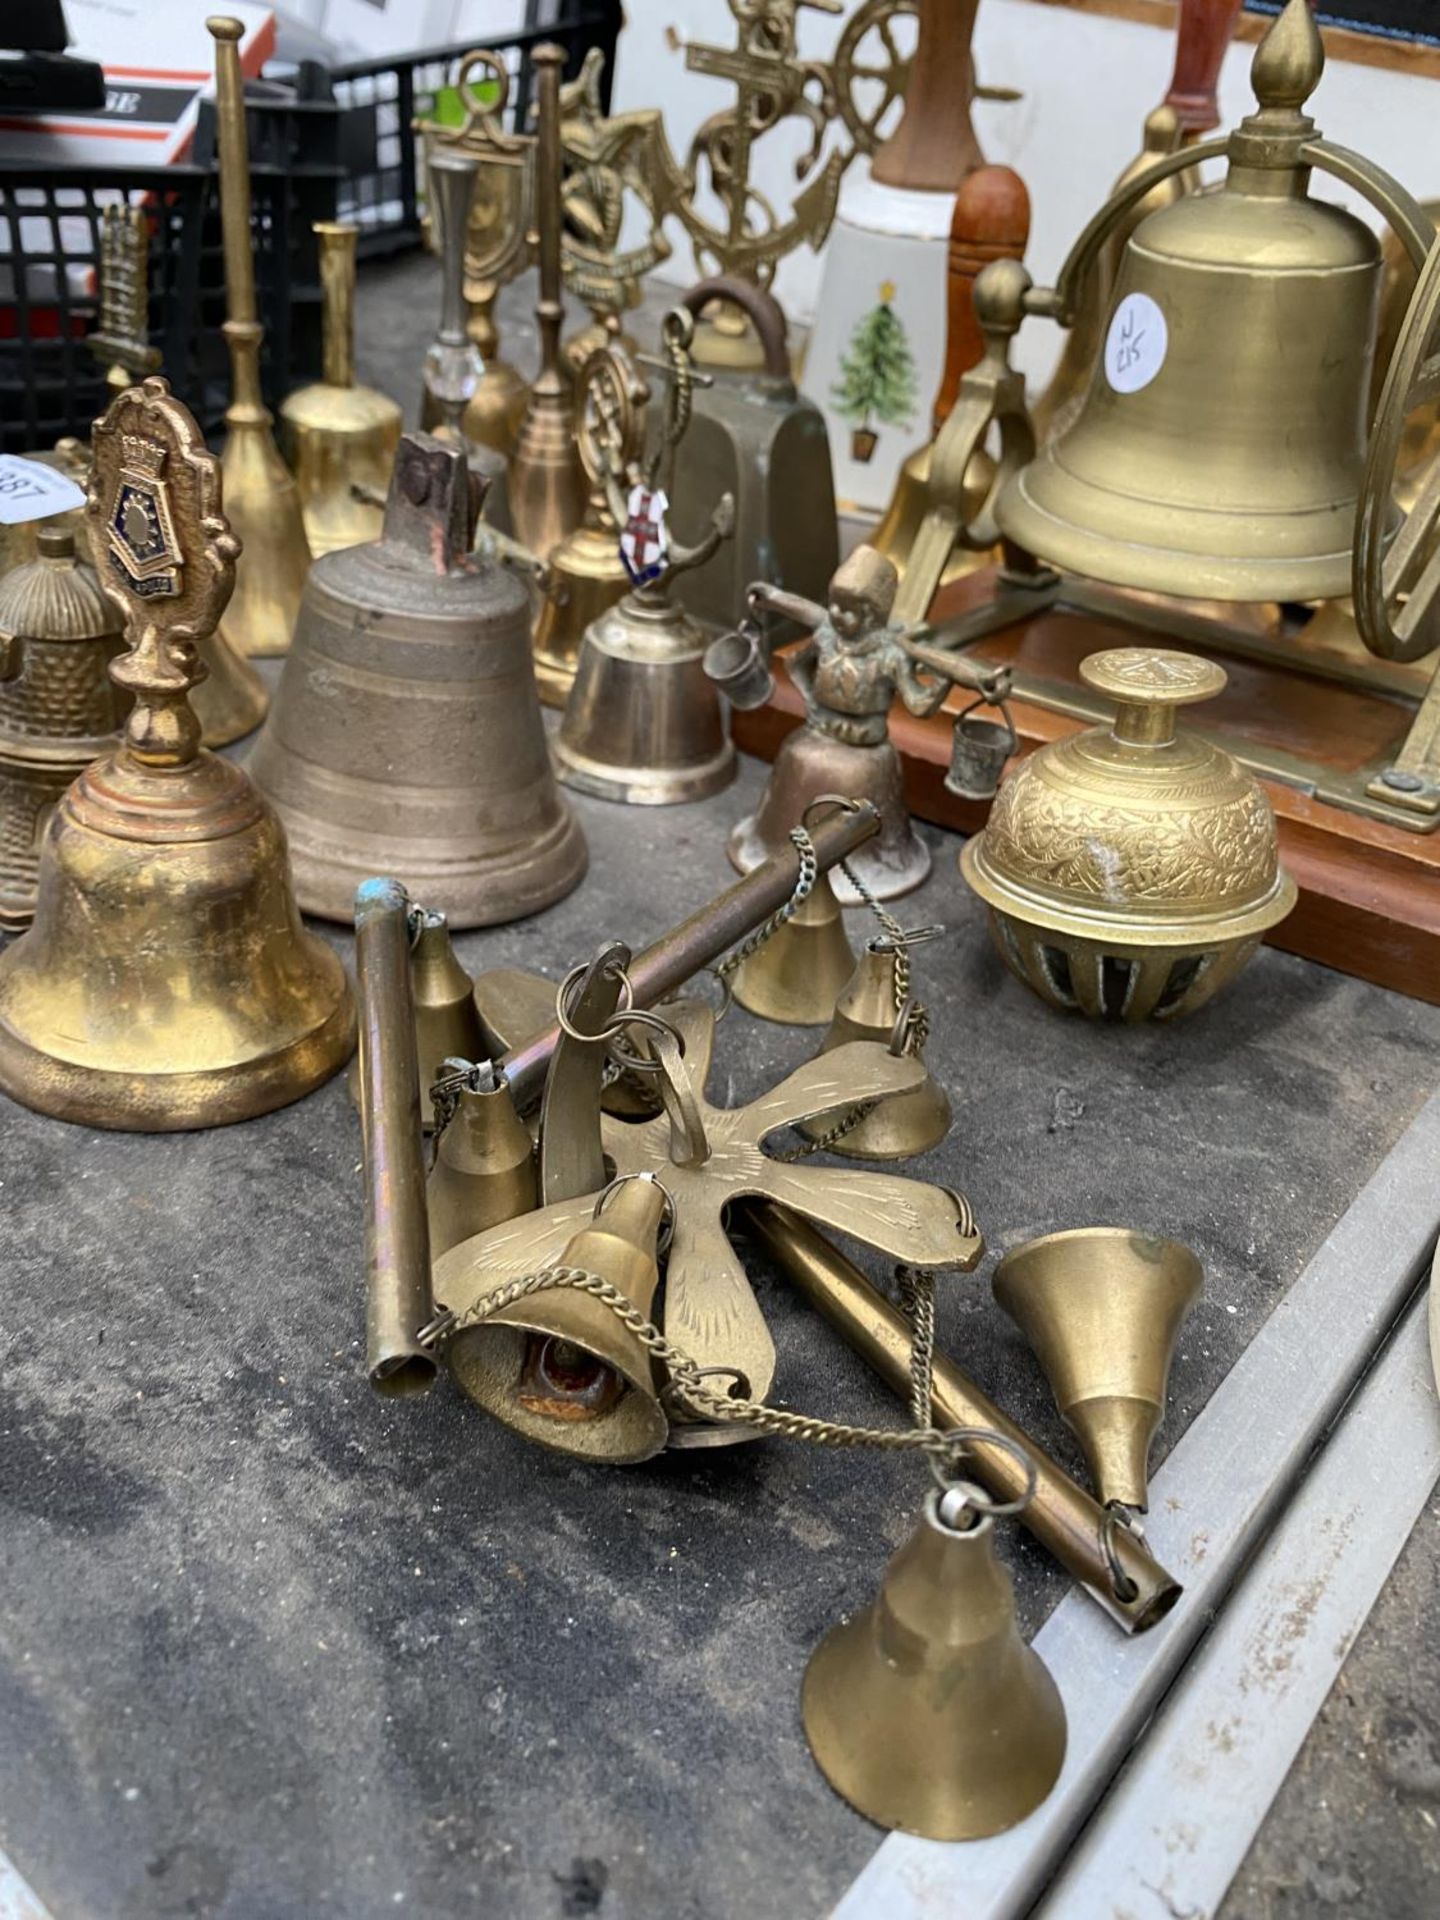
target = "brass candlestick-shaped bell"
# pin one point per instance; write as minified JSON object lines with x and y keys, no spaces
{"x":547,"y":485}
{"x":644,"y":724}
{"x":876,"y":1005}
{"x":484,"y":1168}
{"x":166,"y":982}
{"x":262,"y":501}
{"x":796,"y":976}
{"x":1131,"y":871}
{"x":405,"y":735}
{"x":559,"y":1366}
{"x":339,"y":437}
{"x":927,"y":1711}
{"x":59,"y":708}
{"x":1102,"y":1309}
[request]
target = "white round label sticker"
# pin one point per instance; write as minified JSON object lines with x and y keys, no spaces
{"x":1135,"y":345}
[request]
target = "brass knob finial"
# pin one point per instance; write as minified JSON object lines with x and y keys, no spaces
{"x":1289,"y":60}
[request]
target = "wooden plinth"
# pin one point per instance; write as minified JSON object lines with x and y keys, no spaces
{"x":1369,"y":892}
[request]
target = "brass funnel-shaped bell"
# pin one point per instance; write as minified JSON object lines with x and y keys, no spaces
{"x":1220,"y":450}
{"x":1102,"y":1308}
{"x":868,"y":1009}
{"x":339,"y":437}
{"x":559,"y":1366}
{"x":796,"y":977}
{"x":927,"y":1711}
{"x":484,"y":1169}
{"x":262,"y":501}
{"x":166,"y":982}
{"x":447,"y":1025}
{"x":405,"y":736}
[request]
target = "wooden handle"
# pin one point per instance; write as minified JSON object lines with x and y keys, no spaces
{"x":934,"y":146}
{"x":991,"y":222}
{"x":1202,"y":34}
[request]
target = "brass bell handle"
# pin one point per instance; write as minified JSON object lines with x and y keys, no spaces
{"x":1148,"y":684}
{"x":761,"y":309}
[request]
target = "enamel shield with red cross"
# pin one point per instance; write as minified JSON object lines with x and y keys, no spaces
{"x":645,"y":538}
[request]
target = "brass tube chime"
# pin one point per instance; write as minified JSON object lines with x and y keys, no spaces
{"x":261,"y":497}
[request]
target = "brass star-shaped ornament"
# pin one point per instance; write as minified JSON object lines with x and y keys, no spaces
{"x":707,"y":1156}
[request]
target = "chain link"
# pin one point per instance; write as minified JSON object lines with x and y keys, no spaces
{"x":804,"y":887}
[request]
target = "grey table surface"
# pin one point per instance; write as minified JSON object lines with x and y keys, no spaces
{"x":272,"y":1647}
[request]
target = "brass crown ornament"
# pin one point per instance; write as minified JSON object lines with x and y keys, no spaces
{"x":1130,"y":870}
{"x":166,"y":982}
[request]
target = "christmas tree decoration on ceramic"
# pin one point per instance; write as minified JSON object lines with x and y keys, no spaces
{"x":340,"y":438}
{"x":876,"y":383}
{"x":59,"y":708}
{"x":261,"y":498}
{"x":643,"y":723}
{"x":166,"y":981}
{"x":1130,"y":870}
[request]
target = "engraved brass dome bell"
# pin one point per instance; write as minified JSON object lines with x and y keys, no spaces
{"x":1131,"y":871}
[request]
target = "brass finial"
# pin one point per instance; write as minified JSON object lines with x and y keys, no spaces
{"x":121,"y":342}
{"x":1289,"y":61}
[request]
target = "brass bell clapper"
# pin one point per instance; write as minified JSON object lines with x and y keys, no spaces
{"x":643,"y":723}
{"x":166,"y":981}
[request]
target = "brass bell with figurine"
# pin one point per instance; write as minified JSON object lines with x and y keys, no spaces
{"x":405,"y":734}
{"x":926,"y":1710}
{"x":484,"y":1169}
{"x":559,"y":1366}
{"x":643,"y":723}
{"x":796,"y":975}
{"x":1102,"y":1308}
{"x":166,"y":981}
{"x":59,"y":708}
{"x":340,"y":438}
{"x":1131,"y":870}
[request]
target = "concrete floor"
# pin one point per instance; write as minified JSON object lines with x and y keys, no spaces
{"x":271,"y":1647}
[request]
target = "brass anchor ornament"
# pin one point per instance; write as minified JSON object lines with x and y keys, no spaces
{"x":167,"y":981}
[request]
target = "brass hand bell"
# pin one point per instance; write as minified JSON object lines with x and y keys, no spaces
{"x":795,"y":976}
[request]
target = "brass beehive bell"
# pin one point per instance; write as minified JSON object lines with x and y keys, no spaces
{"x":339,"y":437}
{"x":59,"y":708}
{"x":1220,"y":451}
{"x":484,"y":1168}
{"x":559,"y":1366}
{"x":796,"y":976}
{"x":166,"y":982}
{"x":873,"y":1007}
{"x":1131,"y":871}
{"x":927,"y":1711}
{"x":405,"y":734}
{"x":1102,"y":1309}
{"x":261,"y":498}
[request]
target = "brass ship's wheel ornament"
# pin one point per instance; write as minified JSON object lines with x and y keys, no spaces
{"x":706,"y":1157}
{"x":870,"y":70}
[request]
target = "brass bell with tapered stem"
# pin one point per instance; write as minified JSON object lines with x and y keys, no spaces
{"x":1220,"y":450}
{"x":547,"y":485}
{"x":406,"y":735}
{"x":484,"y":1169}
{"x":447,"y":1024}
{"x":262,"y":501}
{"x":339,"y":437}
{"x":876,"y":1005}
{"x":1102,"y":1309}
{"x":795,"y":976}
{"x":926,"y":1710}
{"x":560,"y":1366}
{"x":166,"y":981}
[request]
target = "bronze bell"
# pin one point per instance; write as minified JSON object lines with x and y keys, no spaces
{"x":559,"y":1366}
{"x":59,"y":708}
{"x":796,"y":976}
{"x":1220,"y":451}
{"x":484,"y":1169}
{"x":405,"y":734}
{"x":1102,"y":1309}
{"x":927,"y":1711}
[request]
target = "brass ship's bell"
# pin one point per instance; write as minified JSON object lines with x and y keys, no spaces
{"x":927,"y":1711}
{"x":1102,"y":1309}
{"x":339,"y":437}
{"x":1220,"y":450}
{"x":559,"y":1366}
{"x":754,"y":436}
{"x":59,"y":708}
{"x":405,"y":734}
{"x":166,"y":981}
{"x":484,"y":1168}
{"x":871,"y":1007}
{"x":795,"y":977}
{"x":1131,"y":871}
